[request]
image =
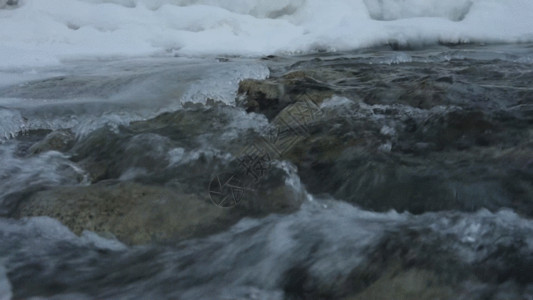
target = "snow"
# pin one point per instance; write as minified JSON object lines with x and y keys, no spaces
{"x":40,"y":33}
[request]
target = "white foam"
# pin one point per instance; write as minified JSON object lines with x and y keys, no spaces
{"x":46,"y":168}
{"x":92,"y":239}
{"x":46,"y":32}
{"x":46,"y":231}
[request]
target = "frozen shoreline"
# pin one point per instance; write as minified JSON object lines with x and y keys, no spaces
{"x":67,"y":29}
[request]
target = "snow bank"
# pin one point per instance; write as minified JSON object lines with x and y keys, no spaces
{"x":37,"y":32}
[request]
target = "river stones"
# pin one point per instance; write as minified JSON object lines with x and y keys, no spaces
{"x":382,"y":137}
{"x":137,"y":213}
{"x":134,"y":213}
{"x":403,"y":137}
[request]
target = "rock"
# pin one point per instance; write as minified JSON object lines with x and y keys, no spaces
{"x":271,"y":96}
{"x":97,"y":170}
{"x":59,"y":140}
{"x":134,"y":213}
{"x":261,"y":89}
{"x":407,"y":285}
{"x":396,"y":157}
{"x":270,"y":194}
{"x":426,"y":94}
{"x":263,"y":96}
{"x":138,"y":213}
{"x":299,"y":116}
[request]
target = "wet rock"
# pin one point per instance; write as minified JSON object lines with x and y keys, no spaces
{"x":97,"y":170}
{"x":99,"y":154}
{"x":270,"y":194}
{"x":406,"y":285}
{"x":59,"y":140}
{"x":154,"y":157}
{"x":140,"y":213}
{"x":382,"y":181}
{"x":271,"y":96}
{"x":261,"y":89}
{"x":185,"y":125}
{"x":134,"y":213}
{"x":423,"y":95}
{"x":188,"y":146}
{"x":414,"y":143}
{"x":462,"y":129}
{"x":410,"y":159}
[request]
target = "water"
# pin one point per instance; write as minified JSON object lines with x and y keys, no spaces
{"x":362,"y":149}
{"x":278,"y":257}
{"x":335,"y":244}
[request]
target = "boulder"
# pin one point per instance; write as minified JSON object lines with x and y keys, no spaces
{"x":134,"y":213}
{"x":138,"y":213}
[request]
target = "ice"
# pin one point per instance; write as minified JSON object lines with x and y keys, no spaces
{"x":87,"y":95}
{"x":37,"y":33}
{"x":11,"y":124}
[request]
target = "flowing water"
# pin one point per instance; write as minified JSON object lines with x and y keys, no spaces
{"x":327,"y":248}
{"x":119,"y":118}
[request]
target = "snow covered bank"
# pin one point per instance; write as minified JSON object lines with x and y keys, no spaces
{"x":40,"y":32}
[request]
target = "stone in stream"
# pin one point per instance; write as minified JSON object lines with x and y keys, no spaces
{"x":138,"y":214}
{"x":150,"y":181}
{"x":134,"y":213}
{"x":153,"y":145}
{"x":271,"y":96}
{"x":59,"y":140}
